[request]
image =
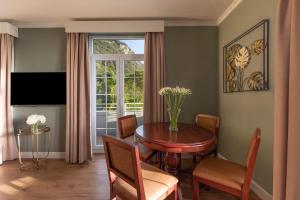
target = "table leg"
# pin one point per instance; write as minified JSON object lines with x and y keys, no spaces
{"x":173,"y":163}
{"x":19,"y":152}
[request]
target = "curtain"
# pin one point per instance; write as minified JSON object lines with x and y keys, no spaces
{"x":154,"y":78}
{"x":287,"y":102}
{"x":78,"y":133}
{"x":8,"y":147}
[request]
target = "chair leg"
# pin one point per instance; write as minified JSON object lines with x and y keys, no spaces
{"x":194,"y":158}
{"x":176,"y":192}
{"x":196,"y":189}
{"x":159,"y":159}
{"x":245,"y":195}
{"x":216,"y":152}
{"x":113,"y":196}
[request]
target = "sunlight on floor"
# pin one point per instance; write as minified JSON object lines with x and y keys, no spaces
{"x":14,"y":186}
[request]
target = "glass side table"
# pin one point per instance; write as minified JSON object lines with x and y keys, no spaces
{"x":36,"y":155}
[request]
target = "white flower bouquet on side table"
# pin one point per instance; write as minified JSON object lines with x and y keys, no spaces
{"x":34,"y":121}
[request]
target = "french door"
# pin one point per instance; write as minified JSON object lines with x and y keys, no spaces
{"x":117,"y":90}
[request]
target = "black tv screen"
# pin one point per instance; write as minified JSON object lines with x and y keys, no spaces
{"x":42,"y":88}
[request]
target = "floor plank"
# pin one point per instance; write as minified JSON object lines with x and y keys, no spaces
{"x":60,"y":181}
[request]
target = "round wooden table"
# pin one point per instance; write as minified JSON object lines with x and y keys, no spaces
{"x":188,"y":139}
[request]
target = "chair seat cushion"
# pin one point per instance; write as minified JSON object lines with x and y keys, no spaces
{"x":157,"y":184}
{"x":221,"y":171}
{"x":145,"y":152}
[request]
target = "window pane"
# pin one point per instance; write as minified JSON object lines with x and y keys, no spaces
{"x":111,"y":86}
{"x":139,"y":86}
{"x":112,"y":118}
{"x":100,"y":86}
{"x":100,"y":102}
{"x":128,"y":69}
{"x":111,"y":69}
{"x":129,"y":86}
{"x":130,"y":46}
{"x":100,"y":68}
{"x":101,"y":119}
{"x":112,"y":132}
{"x":139,"y":69}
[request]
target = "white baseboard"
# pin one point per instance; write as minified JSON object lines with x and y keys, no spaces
{"x":52,"y":155}
{"x":98,"y":151}
{"x":255,"y":187}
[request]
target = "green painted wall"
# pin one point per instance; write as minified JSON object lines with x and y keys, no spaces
{"x":192,"y":62}
{"x":241,"y":113}
{"x":41,"y":50}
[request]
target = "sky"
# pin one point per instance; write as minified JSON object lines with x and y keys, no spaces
{"x":136,"y":45}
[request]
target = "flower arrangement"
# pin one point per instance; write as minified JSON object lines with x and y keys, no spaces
{"x":174,"y":99}
{"x":34,"y":121}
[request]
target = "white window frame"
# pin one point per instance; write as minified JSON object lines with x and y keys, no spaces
{"x":120,"y":59}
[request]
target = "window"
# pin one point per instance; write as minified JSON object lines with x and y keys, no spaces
{"x":117,"y":83}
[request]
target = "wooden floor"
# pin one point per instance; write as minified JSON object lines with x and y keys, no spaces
{"x":60,"y":181}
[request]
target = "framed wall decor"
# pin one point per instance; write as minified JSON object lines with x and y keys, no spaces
{"x":246,"y":60}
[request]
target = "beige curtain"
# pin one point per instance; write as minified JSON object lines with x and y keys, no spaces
{"x":154,"y":78}
{"x":287,"y":102}
{"x":78,"y":136}
{"x":8,"y":147}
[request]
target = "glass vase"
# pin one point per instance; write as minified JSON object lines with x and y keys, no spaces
{"x":34,"y":128}
{"x":173,"y":115}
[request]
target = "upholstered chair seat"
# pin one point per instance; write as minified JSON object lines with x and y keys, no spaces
{"x":221,"y":171}
{"x":132,"y":179}
{"x":157,"y":184}
{"x":225,"y":175}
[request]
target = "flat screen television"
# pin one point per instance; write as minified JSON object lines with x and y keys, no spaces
{"x":38,"y":88}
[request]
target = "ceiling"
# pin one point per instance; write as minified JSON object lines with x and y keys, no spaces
{"x":60,"y":11}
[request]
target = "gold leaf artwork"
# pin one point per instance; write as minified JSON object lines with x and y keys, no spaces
{"x":255,"y":81}
{"x":230,"y":72}
{"x":232,"y":52}
{"x":258,"y":46}
{"x":232,"y":85}
{"x":242,"y":59}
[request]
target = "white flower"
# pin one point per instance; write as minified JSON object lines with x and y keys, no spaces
{"x":42,"y":119}
{"x":174,"y":91}
{"x":35,"y":118}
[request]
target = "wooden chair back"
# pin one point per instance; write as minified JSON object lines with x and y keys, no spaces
{"x":251,"y":158}
{"x":208,"y":122}
{"x":123,"y":160}
{"x":127,"y":125}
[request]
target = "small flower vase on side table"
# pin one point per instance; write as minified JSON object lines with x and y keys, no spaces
{"x":34,"y":128}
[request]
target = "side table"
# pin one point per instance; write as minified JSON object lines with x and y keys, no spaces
{"x":36,"y":159}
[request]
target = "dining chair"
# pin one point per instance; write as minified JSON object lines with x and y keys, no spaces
{"x":210,"y":123}
{"x":132,"y":179}
{"x":127,"y":125}
{"x":225,"y":175}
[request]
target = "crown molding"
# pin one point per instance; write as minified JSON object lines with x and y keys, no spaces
{"x":189,"y":22}
{"x":227,"y":11}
